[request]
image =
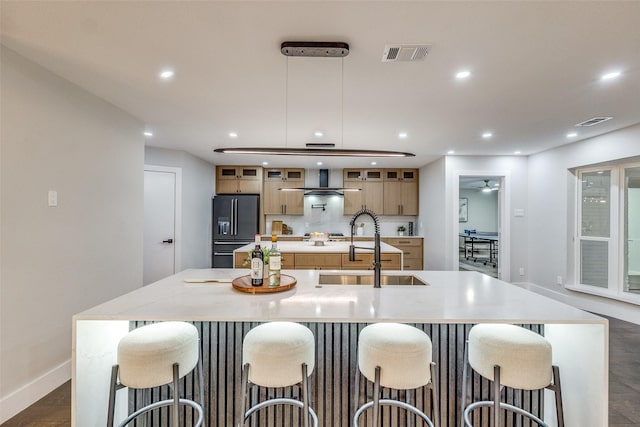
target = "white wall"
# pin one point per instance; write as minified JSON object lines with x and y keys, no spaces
{"x":551,"y":213}
{"x":482,"y":211}
{"x":432,"y":219}
{"x":198,"y":188}
{"x":58,"y":261}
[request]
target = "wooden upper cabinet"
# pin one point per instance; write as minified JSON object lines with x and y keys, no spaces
{"x":296,"y":175}
{"x":278,"y":202}
{"x":401,"y":198}
{"x":369,"y":197}
{"x":350,"y":175}
{"x":405,"y":175}
{"x":238,"y":179}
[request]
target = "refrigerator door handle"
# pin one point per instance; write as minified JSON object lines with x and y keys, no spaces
{"x":235,"y":217}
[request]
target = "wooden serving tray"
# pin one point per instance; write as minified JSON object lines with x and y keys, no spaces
{"x":243,"y":284}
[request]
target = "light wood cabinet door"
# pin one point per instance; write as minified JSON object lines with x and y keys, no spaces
{"x":308,"y":261}
{"x":400,"y":198}
{"x":372,"y":196}
{"x":390,"y":261}
{"x":238,"y":179}
{"x":353,"y":200}
{"x":363,"y":261}
{"x":278,"y":202}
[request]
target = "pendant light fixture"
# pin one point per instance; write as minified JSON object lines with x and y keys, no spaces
{"x":314,"y":49}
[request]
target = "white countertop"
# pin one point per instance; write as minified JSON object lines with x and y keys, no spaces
{"x":450,"y":297}
{"x":329,"y":247}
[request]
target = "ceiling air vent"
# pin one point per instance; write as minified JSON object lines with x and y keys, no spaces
{"x":405,"y":52}
{"x":594,"y":121}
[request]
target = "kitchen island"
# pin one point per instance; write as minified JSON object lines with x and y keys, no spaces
{"x":445,"y":308}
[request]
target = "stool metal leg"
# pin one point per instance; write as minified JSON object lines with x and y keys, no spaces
{"x":496,"y":396}
{"x":243,"y":394}
{"x":465,"y":374}
{"x":112,"y":395}
{"x":305,"y":395}
{"x":376,"y":397}
{"x":557,"y":389}
{"x":176,"y":397}
{"x":435,"y":403}
{"x":357,"y":385}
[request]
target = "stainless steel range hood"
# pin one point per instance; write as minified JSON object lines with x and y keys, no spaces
{"x":323,"y":188}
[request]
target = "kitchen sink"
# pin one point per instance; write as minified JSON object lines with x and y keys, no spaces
{"x":367,"y":279}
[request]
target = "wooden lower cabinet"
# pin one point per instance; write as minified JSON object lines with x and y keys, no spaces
{"x":317,"y":262}
{"x":330,"y":261}
{"x":411,"y":249}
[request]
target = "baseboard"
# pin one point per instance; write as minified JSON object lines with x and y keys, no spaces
{"x":595,"y":304}
{"x":30,"y":393}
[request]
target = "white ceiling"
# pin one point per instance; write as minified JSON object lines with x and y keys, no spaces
{"x":535,"y":71}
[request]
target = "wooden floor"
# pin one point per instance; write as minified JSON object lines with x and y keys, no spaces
{"x":54,"y":410}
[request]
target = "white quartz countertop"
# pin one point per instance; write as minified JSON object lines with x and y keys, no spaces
{"x":329,"y":247}
{"x":450,"y":297}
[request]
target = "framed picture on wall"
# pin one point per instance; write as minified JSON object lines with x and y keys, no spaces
{"x":463,"y":209}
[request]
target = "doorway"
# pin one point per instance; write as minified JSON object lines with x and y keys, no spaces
{"x":162,"y":218}
{"x":478,"y":220}
{"x":495,"y":248}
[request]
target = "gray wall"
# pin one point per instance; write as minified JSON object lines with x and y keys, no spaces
{"x":198,"y":187}
{"x":432,"y":214}
{"x":482,"y":210}
{"x":58,"y":261}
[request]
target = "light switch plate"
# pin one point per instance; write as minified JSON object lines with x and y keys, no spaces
{"x":52,"y":198}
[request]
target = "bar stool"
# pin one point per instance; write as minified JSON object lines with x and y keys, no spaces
{"x":396,"y":356}
{"x":278,"y":354}
{"x":155,"y":355}
{"x":514,"y":357}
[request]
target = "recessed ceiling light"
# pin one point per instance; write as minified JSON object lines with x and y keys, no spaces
{"x":611,"y":75}
{"x":451,"y":152}
{"x":463,"y":74}
{"x":572,"y":135}
{"x":487,"y":135}
{"x":318,"y":134}
{"x":233,"y":135}
{"x":517,"y":152}
{"x":319,"y":163}
{"x":167,"y":74}
{"x":265,"y":163}
{"x":402,"y":135}
{"x":374,"y":163}
{"x":147,"y":133}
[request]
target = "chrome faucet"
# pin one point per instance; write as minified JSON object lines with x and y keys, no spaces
{"x":377,"y":264}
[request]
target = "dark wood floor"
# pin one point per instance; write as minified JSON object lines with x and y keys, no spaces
{"x":54,"y":410}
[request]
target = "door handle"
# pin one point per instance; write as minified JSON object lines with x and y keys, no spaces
{"x":168,"y":241}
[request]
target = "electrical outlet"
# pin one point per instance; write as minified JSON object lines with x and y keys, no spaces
{"x":522,"y":271}
{"x":559,"y":280}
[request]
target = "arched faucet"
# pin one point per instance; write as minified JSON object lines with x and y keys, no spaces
{"x":377,"y":264}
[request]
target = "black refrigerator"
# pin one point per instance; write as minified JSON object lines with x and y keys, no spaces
{"x":235,"y":224}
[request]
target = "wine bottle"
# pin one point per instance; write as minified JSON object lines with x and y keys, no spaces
{"x":257,"y":264}
{"x":275,"y":262}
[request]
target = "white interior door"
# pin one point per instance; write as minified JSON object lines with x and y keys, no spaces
{"x":161,"y":212}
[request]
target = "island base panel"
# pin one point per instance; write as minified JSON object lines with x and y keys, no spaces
{"x":332,"y":382}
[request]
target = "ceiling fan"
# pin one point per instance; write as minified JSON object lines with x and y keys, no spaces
{"x":487,"y":188}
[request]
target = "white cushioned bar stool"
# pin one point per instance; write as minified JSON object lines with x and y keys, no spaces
{"x":511,"y":356}
{"x":397,"y":356}
{"x":156,"y":355}
{"x":278,"y":354}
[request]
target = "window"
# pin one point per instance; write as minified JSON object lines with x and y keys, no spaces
{"x":608,"y":231}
